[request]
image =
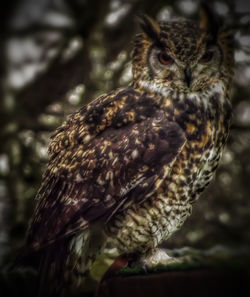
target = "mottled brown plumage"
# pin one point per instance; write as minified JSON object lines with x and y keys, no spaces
{"x":127,"y":167}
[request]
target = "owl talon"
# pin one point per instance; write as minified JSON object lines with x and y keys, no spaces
{"x":159,"y":257}
{"x":141,"y":264}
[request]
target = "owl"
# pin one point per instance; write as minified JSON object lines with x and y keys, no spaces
{"x":125,"y":169}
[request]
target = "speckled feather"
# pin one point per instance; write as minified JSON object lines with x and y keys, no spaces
{"x":103,"y":171}
{"x":126,"y":168}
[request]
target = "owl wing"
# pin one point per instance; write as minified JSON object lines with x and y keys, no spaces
{"x":113,"y":153}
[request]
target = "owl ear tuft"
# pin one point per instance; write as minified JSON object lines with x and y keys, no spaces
{"x":209,"y":21}
{"x":149,"y":26}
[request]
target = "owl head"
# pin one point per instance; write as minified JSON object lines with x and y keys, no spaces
{"x":183,"y":56}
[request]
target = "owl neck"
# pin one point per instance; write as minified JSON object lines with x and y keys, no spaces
{"x":216,"y":95}
{"x":213,"y":105}
{"x":162,"y":91}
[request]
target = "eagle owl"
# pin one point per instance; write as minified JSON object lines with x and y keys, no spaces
{"x":126,"y":168}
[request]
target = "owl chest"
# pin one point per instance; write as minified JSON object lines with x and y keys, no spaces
{"x":196,"y":163}
{"x":195,"y":172}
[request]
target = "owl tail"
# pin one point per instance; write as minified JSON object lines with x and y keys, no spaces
{"x":47,"y":267}
{"x":53,"y":270}
{"x":50,"y":263}
{"x":62,"y":266}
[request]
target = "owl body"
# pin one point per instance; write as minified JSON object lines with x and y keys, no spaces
{"x":144,"y":226}
{"x":126,"y":169}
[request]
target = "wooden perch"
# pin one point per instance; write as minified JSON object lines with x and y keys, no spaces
{"x":193,"y":283}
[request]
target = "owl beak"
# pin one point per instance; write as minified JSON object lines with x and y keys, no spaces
{"x":188,"y":75}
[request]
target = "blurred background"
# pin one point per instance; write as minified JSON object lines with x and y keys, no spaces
{"x":57,"y":55}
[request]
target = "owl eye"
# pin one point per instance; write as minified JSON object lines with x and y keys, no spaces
{"x":207,"y":57}
{"x":165,"y":59}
